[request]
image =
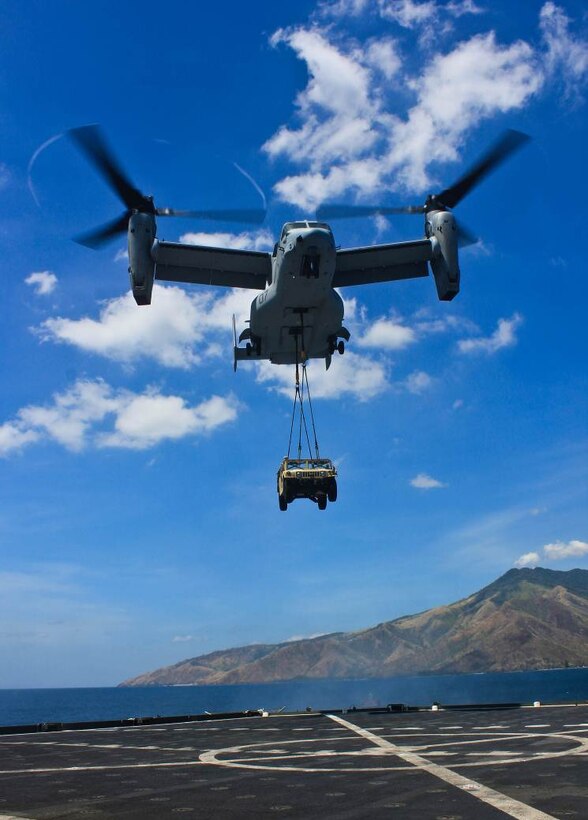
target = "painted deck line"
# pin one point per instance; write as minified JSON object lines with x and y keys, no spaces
{"x":508,"y":805}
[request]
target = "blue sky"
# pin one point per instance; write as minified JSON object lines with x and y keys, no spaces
{"x":139,"y":522}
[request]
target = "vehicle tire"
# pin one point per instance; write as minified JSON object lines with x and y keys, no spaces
{"x":322,"y":501}
{"x":332,"y":491}
{"x":283,"y":503}
{"x":341,"y":347}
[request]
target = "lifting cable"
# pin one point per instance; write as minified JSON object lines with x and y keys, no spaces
{"x":299,"y":404}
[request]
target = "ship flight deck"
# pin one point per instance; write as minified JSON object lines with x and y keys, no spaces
{"x":527,"y":763}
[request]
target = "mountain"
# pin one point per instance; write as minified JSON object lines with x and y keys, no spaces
{"x":526,"y":619}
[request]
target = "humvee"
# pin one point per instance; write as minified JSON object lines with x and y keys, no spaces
{"x":314,"y":478}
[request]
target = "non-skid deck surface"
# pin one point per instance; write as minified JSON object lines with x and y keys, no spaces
{"x":447,"y":765}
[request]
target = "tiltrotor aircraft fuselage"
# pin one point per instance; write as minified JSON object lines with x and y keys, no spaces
{"x":298,"y":314}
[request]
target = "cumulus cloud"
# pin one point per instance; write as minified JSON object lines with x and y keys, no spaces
{"x":178,"y":330}
{"x":261,"y":240}
{"x":336,"y":107}
{"x":557,"y":551}
{"x":94,"y":413}
{"x":561,"y":549}
{"x":423,"y":481}
{"x":44,"y":282}
{"x":167,"y":331}
{"x":503,"y":336}
{"x":353,"y":375}
{"x":529,"y":559}
{"x":350,"y":137}
{"x":387,"y":334}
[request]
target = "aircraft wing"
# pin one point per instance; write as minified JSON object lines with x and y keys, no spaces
{"x":201,"y":265}
{"x":382,"y":263}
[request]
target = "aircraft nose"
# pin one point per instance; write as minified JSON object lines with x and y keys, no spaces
{"x":317,"y":237}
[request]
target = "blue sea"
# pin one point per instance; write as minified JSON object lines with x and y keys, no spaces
{"x":25,"y":706}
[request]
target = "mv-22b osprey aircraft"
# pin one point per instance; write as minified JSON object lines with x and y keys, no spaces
{"x":298,"y":314}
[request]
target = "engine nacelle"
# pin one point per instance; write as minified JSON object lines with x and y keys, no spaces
{"x":441,"y":228}
{"x":141,"y":262}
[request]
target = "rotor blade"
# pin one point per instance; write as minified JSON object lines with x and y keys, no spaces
{"x":248,"y":215}
{"x":97,"y":237}
{"x":509,"y":142}
{"x":465,"y":237}
{"x":91,"y":142}
{"x":334,"y":211}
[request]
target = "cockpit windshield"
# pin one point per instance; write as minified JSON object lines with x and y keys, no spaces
{"x":292,"y":226}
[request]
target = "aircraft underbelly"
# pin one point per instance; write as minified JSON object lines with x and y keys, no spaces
{"x":289,"y":319}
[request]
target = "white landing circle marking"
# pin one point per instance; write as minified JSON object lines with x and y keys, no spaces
{"x":333,"y":754}
{"x":514,"y":808}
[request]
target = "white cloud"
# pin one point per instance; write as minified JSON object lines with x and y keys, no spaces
{"x":432,"y":17}
{"x":143,"y":421}
{"x":94,"y":413}
{"x":503,"y":336}
{"x":423,"y":481}
{"x":121,"y":255}
{"x":457,"y":91}
{"x":178,"y":330}
{"x":426,"y":323}
{"x":566,"y":53}
{"x":261,"y":240}
{"x":418,"y":382}
{"x":336,"y":106}
{"x":387,"y":334}
{"x":557,"y":551}
{"x":44,"y":282}
{"x":406,"y":13}
{"x":13,"y":437}
{"x":560,"y":550}
{"x":350,"y":137}
{"x":167,"y":331}
{"x":354,"y":375}
{"x":382,"y":55}
{"x":182,"y":638}
{"x":529,"y":559}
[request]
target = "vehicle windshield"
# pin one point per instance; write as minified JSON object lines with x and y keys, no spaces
{"x":308,"y":464}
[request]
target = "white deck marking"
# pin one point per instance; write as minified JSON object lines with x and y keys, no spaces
{"x":537,"y":725}
{"x":13,"y":817}
{"x":508,"y":805}
{"x":494,"y":726}
{"x":101,"y":768}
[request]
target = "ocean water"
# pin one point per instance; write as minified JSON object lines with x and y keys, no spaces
{"x":24,"y":706}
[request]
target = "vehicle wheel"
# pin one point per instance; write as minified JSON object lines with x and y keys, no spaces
{"x":341,"y":347}
{"x":283,"y":503}
{"x":322,"y":501}
{"x":332,"y":491}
